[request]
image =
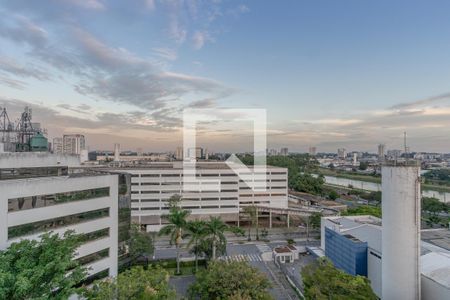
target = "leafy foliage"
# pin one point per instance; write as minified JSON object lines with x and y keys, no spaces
{"x":140,"y":243}
{"x":215,"y":232}
{"x":323,"y":281}
{"x":230,"y":280}
{"x":363,"y":210}
{"x":314,"y":220}
{"x":333,"y":195}
{"x":40,"y":269}
{"x":300,"y":167}
{"x":133,"y":284}
{"x":197,"y":230}
{"x":177,"y":218}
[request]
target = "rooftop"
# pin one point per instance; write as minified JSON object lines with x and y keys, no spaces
{"x":437,"y":237}
{"x":436,"y":266}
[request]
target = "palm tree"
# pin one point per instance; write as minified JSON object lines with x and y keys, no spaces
{"x":177,"y":218}
{"x":215,"y":231}
{"x":197,"y":231}
{"x":252,"y":212}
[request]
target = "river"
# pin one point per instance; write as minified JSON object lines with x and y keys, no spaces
{"x":371,"y":186}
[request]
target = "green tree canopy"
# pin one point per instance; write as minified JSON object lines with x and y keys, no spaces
{"x":133,"y":284}
{"x":230,"y":280}
{"x":140,"y":243}
{"x":363,"y":210}
{"x":322,"y":281}
{"x":41,"y":269}
{"x":177,"y":227}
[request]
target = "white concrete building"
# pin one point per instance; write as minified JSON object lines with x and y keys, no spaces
{"x":73,"y":143}
{"x":38,"y":194}
{"x":434,"y":262}
{"x":153,"y":184}
{"x":57,"y":145}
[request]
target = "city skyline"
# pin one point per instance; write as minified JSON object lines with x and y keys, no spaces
{"x":330,"y":75}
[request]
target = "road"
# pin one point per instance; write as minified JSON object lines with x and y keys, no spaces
{"x":259,"y":256}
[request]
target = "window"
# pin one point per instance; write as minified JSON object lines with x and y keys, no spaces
{"x":229,"y":190}
{"x":228,"y":206}
{"x":149,"y":183}
{"x":46,"y":225}
{"x":149,"y":192}
{"x":210,"y":206}
{"x":149,"y":208}
{"x":134,"y":175}
{"x":94,"y":257}
{"x":170,"y":175}
{"x":150,"y":175}
{"x":228,"y":198}
{"x":94,"y":235}
{"x":24,"y":203}
{"x":275,"y":194}
{"x":278,"y":180}
{"x":135,"y":183}
{"x":149,"y":200}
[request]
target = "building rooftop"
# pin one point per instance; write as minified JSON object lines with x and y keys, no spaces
{"x":436,"y":266}
{"x":437,"y":237}
{"x":178,"y":165}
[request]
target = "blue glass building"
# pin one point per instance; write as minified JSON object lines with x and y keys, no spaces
{"x":346,"y":252}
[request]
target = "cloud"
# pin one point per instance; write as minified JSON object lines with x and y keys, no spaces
{"x":200,"y":38}
{"x":165,"y":53}
{"x":421,"y":102}
{"x":22,"y":30}
{"x":9,"y":65}
{"x":205,"y":103}
{"x":87,"y":4}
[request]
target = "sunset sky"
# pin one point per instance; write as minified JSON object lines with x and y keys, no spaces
{"x":330,"y":74}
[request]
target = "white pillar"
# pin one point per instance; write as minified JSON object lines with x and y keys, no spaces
{"x":401,"y":232}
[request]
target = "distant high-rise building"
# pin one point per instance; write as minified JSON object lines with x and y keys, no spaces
{"x":116,"y":152}
{"x":381,"y":152}
{"x":284,"y":151}
{"x":312,"y":151}
{"x":73,"y":143}
{"x":57,"y":145}
{"x":342,"y":153}
{"x":179,"y":153}
{"x":196,"y":152}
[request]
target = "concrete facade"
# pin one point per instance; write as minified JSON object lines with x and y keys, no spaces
{"x":30,"y":207}
{"x":154,"y":183}
{"x":401,"y":232}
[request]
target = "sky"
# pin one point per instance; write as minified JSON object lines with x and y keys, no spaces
{"x":331,"y":74}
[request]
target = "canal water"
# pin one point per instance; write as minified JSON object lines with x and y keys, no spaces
{"x":371,"y":186}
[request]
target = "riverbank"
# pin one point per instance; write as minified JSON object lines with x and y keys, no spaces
{"x":377,"y":179}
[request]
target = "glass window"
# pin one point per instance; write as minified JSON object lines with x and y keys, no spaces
{"x":24,"y":203}
{"x":94,"y":257}
{"x":47,"y":225}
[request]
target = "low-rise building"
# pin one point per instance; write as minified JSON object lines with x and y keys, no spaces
{"x":354,"y":245}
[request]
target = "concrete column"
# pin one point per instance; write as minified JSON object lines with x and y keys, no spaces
{"x":270,"y":218}
{"x":287,"y":220}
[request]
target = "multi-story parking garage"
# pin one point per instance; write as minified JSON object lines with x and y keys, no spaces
{"x":152,"y":185}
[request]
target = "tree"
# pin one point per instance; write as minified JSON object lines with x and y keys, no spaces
{"x":177,"y":218}
{"x":333,"y":195}
{"x":230,"y":280}
{"x":215,"y":231}
{"x":252,"y":212}
{"x":140,"y":243}
{"x":363,"y":166}
{"x":363,"y":210}
{"x":133,"y":284}
{"x":41,"y":269}
{"x":315,"y":219}
{"x":197,"y":231}
{"x":433,"y":205}
{"x":322,"y":280}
